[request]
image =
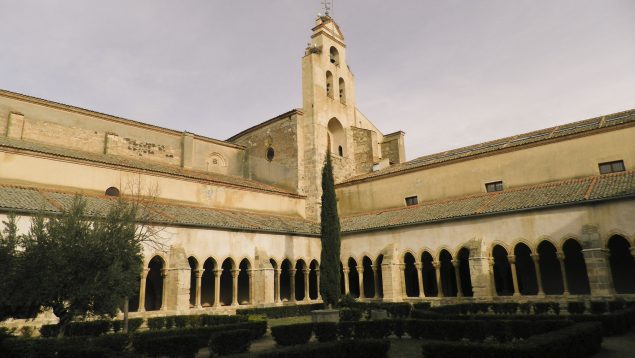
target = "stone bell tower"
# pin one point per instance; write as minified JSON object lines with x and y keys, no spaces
{"x":328,"y":91}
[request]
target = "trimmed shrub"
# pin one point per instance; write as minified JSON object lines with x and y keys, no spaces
{"x":576,"y":307}
{"x":292,"y":334}
{"x":579,"y":340}
{"x":350,"y":314}
{"x":133,"y":324}
{"x":363,"y":348}
{"x":49,"y":330}
{"x":155,"y":323}
{"x":598,"y":307}
{"x":325,"y":331}
{"x":541,"y":307}
{"x":282,"y":311}
{"x":524,"y":308}
{"x":230,"y":342}
{"x":615,"y":323}
{"x":372,"y":329}
{"x":617,"y":305}
{"x":505,"y":308}
{"x":169,"y":322}
{"x":206,"y":320}
{"x":173,"y":346}
{"x":116,"y":342}
{"x":421,"y":306}
{"x":345,"y":329}
{"x":88,"y":328}
{"x":398,"y":327}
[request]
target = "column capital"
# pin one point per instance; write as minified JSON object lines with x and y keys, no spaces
{"x":456,"y":263}
{"x":511,"y":259}
{"x":144,"y":273}
{"x":436,"y":264}
{"x":164,"y":272}
{"x":560,"y":255}
{"x":217,"y":272}
{"x":535,"y":257}
{"x":277,"y":271}
{"x":418,"y":265}
{"x":632,"y":251}
{"x":235,"y":272}
{"x":293,"y":271}
{"x":198,"y":273}
{"x":306,"y":271}
{"x":346,"y":270}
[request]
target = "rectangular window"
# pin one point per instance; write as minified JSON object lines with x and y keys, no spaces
{"x":612,"y":167}
{"x":494,"y":186}
{"x":412,"y":200}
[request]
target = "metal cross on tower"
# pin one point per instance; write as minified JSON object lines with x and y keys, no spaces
{"x":328,"y":6}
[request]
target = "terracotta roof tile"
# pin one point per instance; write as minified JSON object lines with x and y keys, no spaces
{"x":562,"y":131}
{"x":565,"y":192}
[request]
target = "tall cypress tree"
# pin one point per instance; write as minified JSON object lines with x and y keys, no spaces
{"x":330,"y":237}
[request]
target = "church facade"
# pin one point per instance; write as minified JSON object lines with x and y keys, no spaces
{"x":543,"y":215}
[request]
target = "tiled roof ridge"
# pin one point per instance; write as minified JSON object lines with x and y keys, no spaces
{"x":43,"y":191}
{"x":528,"y":187}
{"x":265,"y":123}
{"x":133,"y":164}
{"x":505,"y":143}
{"x":110,"y":117}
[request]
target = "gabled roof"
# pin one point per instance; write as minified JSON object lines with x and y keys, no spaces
{"x":266,"y":123}
{"x":530,"y":197}
{"x":539,"y":137}
{"x":7,"y":143}
{"x":30,"y":200}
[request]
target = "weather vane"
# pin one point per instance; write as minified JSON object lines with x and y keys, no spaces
{"x":328,"y":6}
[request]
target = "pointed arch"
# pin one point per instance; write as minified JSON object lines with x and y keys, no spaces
{"x":154,"y":284}
{"x":329,"y":84}
{"x":431,"y":288}
{"x":227,"y":282}
{"x":411,"y":275}
{"x":525,"y":270}
{"x":448,"y":276}
{"x":463,"y":256}
{"x":622,"y":264}
{"x":550,"y":272}
{"x":502,"y":271}
{"x":353,"y":278}
{"x":337,"y":137}
{"x":342,"y":89}
{"x":285,"y":278}
{"x":575,"y":268}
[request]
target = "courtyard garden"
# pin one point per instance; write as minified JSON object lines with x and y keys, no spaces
{"x":531,"y":329}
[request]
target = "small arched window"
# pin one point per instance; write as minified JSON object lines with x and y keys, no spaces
{"x":112,"y":191}
{"x":329,"y":84}
{"x":342,"y":91}
{"x":336,"y":137}
{"x":270,"y":154}
{"x":340,"y":151}
{"x":334,"y":56}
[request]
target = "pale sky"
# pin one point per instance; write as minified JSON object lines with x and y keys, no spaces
{"x":448,"y":73}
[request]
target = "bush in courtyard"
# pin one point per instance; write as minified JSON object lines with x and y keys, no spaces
{"x":617,"y":305}
{"x":350,"y":314}
{"x":505,"y":308}
{"x":116,"y":342}
{"x":598,"y":307}
{"x":421,"y":306}
{"x":363,"y":348}
{"x":372,"y":329}
{"x":345,"y":329}
{"x":89,"y":328}
{"x":133,"y":324}
{"x":576,"y":307}
{"x":292,"y":334}
{"x":524,"y":308}
{"x":280,"y":312}
{"x":230,"y":342}
{"x":325,"y":331}
{"x":173,"y":346}
{"x":156,"y":323}
{"x":49,"y":330}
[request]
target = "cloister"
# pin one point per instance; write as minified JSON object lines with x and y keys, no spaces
{"x":524,"y":269}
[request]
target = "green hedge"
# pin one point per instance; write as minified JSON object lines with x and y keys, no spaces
{"x":394,"y":309}
{"x":193,"y":321}
{"x":133,"y":324}
{"x":281,"y":311}
{"x":203,"y":334}
{"x":365,"y":348}
{"x":578,"y":340}
{"x":477,"y":330}
{"x":614,"y":323}
{"x":292,"y":334}
{"x":75,"y":347}
{"x":325,"y":331}
{"x":173,"y":346}
{"x":88,"y":328}
{"x":229,"y":342}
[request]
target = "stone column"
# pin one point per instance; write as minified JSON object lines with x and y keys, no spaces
{"x":164,"y":291}
{"x":317,"y":283}
{"x":360,"y":274}
{"x":480,"y":275}
{"x":563,"y":270}
{"x":437,"y":271}
{"x":512,"y":263}
{"x":306,"y":272}
{"x":402,"y":274}
{"x":346,"y":287}
{"x":277,"y":290}
{"x":235,"y":273}
{"x":422,"y":292}
{"x":457,"y":274}
{"x":292,"y":285}
{"x":250,"y":299}
{"x":217,"y":274}
{"x":596,"y":259}
{"x":199,"y":276}
{"x":142,"y":289}
{"x":536,"y":259}
{"x":376,"y":279}
{"x":491,"y":277}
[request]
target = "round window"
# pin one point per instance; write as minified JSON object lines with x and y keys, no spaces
{"x":270,"y":154}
